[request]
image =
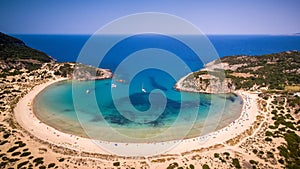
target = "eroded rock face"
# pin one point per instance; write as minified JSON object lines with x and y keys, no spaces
{"x":205,"y":84}
{"x":96,"y":74}
{"x":210,"y":79}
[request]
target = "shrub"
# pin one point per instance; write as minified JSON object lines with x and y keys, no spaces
{"x":281,"y":161}
{"x":272,"y":127}
{"x":270,"y":154}
{"x":61,"y":160}
{"x":268,"y":133}
{"x":205,"y":166}
{"x":216,"y":155}
{"x":25,"y":154}
{"x":38,"y":161}
{"x":268,"y":139}
{"x":22,"y":164}
{"x":116,"y":163}
{"x":226,"y":153}
{"x":236,"y":163}
{"x":12,"y":149}
{"x":172,"y":166}
{"x":3,"y":142}
{"x":12,"y":160}
{"x":42,"y":167}
{"x":51,"y":165}
{"x":6,"y":135}
{"x":253,"y":162}
{"x":16,"y":153}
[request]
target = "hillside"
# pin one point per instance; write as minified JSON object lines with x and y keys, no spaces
{"x":12,"y":49}
{"x":277,"y":71}
{"x":18,"y":59}
{"x":15,"y":55}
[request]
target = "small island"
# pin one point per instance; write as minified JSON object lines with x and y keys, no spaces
{"x":265,"y":136}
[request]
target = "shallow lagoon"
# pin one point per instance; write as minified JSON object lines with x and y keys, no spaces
{"x":96,"y":110}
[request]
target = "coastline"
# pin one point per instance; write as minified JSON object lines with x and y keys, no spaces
{"x":260,"y":142}
{"x":26,"y":118}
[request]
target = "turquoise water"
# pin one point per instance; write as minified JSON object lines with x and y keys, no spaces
{"x":61,"y":108}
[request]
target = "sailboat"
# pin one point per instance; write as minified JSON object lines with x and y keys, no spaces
{"x":113,"y":85}
{"x":143,"y":89}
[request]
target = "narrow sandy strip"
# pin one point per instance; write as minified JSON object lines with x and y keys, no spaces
{"x":26,"y":118}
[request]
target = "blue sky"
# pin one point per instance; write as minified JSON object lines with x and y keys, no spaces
{"x":211,"y":16}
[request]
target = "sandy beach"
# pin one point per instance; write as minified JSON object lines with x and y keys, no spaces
{"x":26,"y":118}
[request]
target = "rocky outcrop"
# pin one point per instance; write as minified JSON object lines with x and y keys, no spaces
{"x":205,"y":84}
{"x":91,"y":74}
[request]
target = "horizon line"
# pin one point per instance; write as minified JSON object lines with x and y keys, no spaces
{"x":209,"y":34}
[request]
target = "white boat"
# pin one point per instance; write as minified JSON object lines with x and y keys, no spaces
{"x":143,"y":89}
{"x":87,"y":91}
{"x":113,"y":85}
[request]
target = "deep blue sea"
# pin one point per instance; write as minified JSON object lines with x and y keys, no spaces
{"x":159,"y":113}
{"x":65,"y":48}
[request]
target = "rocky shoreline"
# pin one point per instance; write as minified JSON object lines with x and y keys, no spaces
{"x":206,"y":82}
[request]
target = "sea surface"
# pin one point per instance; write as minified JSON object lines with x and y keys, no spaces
{"x":66,"y":48}
{"x":141,"y":105}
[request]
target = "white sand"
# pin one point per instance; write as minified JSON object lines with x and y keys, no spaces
{"x":27,"y":119}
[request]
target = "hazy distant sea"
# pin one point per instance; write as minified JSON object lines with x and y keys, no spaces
{"x":67,"y":47}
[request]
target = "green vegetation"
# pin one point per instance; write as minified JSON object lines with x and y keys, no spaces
{"x":253,"y":162}
{"x":197,"y":74}
{"x":3,"y":142}
{"x":16,"y":153}
{"x":205,"y":166}
{"x":61,"y":160}
{"x":12,"y":49}
{"x":116,"y":163}
{"x":268,"y":139}
{"x":268,"y":133}
{"x":64,"y":70}
{"x":172,"y":165}
{"x":22,"y":164}
{"x":25,"y":154}
{"x":38,"y":161}
{"x":226,"y":153}
{"x":216,"y":155}
{"x":236,"y":163}
{"x":284,"y":126}
{"x":290,"y":151}
{"x":274,"y":70}
{"x":12,"y":149}
{"x":51,"y":165}
{"x":15,"y":55}
{"x":6,"y":135}
{"x":270,"y":154}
